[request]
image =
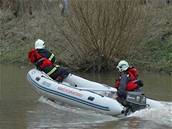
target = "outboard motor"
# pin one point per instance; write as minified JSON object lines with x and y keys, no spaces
{"x":135,"y":101}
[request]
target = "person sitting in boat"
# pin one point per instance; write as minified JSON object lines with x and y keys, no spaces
{"x":45,"y":61}
{"x":127,"y":81}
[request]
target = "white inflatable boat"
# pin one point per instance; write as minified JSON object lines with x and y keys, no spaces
{"x":82,"y":93}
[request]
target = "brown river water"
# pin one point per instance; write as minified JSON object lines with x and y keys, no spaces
{"x":23,"y":108}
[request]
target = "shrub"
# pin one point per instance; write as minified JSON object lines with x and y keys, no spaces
{"x":101,"y":32}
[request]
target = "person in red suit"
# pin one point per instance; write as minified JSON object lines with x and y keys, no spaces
{"x":44,"y":61}
{"x":127,"y":80}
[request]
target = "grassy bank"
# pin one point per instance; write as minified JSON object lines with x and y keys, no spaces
{"x":152,"y":52}
{"x":157,"y":56}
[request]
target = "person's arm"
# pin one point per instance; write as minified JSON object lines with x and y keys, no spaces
{"x":122,"y":86}
{"x":49,"y":55}
{"x":52,"y":58}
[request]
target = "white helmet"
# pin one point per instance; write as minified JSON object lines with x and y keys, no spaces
{"x":122,"y":66}
{"x":39,"y":44}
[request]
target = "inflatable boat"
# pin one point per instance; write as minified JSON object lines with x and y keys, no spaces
{"x":83,"y":93}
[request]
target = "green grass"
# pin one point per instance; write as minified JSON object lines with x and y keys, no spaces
{"x":157,"y":55}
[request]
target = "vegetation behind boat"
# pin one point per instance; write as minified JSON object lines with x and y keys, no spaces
{"x":147,"y":41}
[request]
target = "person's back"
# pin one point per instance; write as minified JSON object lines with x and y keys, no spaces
{"x":40,"y":62}
{"x":40,"y":47}
{"x":47,"y":54}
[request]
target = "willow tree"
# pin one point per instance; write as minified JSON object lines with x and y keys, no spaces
{"x":100,"y":31}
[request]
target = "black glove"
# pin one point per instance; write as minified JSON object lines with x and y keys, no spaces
{"x":140,"y":83}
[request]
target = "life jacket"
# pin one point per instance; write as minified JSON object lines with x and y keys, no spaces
{"x":39,"y":61}
{"x":47,"y":54}
{"x":132,"y":84}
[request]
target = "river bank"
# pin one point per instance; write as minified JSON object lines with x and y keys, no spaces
{"x":18,"y":34}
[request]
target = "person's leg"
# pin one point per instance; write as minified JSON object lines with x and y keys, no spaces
{"x":63,"y":72}
{"x":59,"y":74}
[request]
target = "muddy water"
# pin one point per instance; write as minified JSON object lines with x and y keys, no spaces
{"x":22,"y":108}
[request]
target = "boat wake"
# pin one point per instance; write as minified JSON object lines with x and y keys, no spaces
{"x":60,"y":115}
{"x":162,"y":116}
{"x":99,"y":118}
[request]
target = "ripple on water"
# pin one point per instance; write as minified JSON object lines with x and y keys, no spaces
{"x":63,"y":116}
{"x":66,"y":117}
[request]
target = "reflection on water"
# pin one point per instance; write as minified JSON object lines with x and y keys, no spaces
{"x":20,"y":108}
{"x":16,"y":97}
